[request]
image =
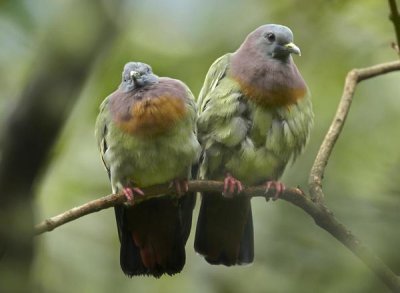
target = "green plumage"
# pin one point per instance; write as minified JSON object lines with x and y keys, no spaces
{"x":239,"y":136}
{"x":146,"y":133}
{"x":255,"y":116}
{"x":147,"y":161}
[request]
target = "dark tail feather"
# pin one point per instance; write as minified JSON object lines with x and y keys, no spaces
{"x":246,"y":252}
{"x":153,"y":235}
{"x":186,"y":206}
{"x":130,"y":260}
{"x":224,"y":232}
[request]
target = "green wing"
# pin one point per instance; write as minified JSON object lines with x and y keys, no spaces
{"x":221,"y":123}
{"x":224,"y":233}
{"x":220,"y":119}
{"x":216,"y":72}
{"x":101,"y":128}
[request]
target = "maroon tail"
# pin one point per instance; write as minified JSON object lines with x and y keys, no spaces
{"x":153,"y":235}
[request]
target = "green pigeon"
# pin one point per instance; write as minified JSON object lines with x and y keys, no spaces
{"x":255,"y":116}
{"x":146,"y":133}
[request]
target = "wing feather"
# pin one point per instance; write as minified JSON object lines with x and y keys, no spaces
{"x":216,"y":72}
{"x":101,"y":129}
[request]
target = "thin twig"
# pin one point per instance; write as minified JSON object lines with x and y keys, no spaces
{"x":353,"y":78}
{"x":395,"y":18}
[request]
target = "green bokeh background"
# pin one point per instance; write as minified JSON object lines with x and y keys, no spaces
{"x":181,"y":39}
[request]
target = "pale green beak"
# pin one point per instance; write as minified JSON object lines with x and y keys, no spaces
{"x":134,"y":74}
{"x":292,"y":48}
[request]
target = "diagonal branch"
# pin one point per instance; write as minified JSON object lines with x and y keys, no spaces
{"x":395,"y":18}
{"x":353,"y":78}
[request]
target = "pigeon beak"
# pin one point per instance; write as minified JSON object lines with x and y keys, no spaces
{"x":134,"y":75}
{"x":292,"y":48}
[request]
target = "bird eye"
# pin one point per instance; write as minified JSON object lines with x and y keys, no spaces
{"x":270,"y":37}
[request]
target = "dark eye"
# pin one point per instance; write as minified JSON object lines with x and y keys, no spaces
{"x":270,"y":37}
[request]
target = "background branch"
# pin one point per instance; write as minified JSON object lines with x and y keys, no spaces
{"x":395,"y":18}
{"x":58,"y":73}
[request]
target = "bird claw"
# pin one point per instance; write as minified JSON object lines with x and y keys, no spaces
{"x":231,"y":186}
{"x":131,"y":193}
{"x":181,"y":186}
{"x":278,"y":186}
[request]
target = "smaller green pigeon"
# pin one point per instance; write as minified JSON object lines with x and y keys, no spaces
{"x":255,"y":116}
{"x":146,"y":133}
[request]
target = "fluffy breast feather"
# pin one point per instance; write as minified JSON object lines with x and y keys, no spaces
{"x":267,"y":82}
{"x":150,"y":111}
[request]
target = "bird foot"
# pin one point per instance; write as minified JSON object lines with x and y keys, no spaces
{"x":277,"y":185}
{"x":131,"y":193}
{"x":181,"y":186}
{"x":231,"y":186}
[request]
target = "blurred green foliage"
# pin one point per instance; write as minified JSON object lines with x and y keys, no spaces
{"x":181,"y":39}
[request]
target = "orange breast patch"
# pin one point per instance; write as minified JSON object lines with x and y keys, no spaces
{"x":153,"y":116}
{"x":273,"y":97}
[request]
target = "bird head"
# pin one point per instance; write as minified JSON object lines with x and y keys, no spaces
{"x":136,"y":75}
{"x":274,"y":40}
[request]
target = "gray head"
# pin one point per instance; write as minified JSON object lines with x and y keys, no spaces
{"x":136,"y":75}
{"x":274,"y":40}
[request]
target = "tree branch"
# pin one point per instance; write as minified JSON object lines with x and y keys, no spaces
{"x":322,"y":216}
{"x":353,"y":78}
{"x":150,"y":192}
{"x":395,"y":18}
{"x":320,"y":213}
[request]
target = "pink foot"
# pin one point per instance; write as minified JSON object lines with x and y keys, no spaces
{"x":181,"y":186}
{"x":231,"y":185}
{"x":130,"y":193}
{"x":277,"y":185}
